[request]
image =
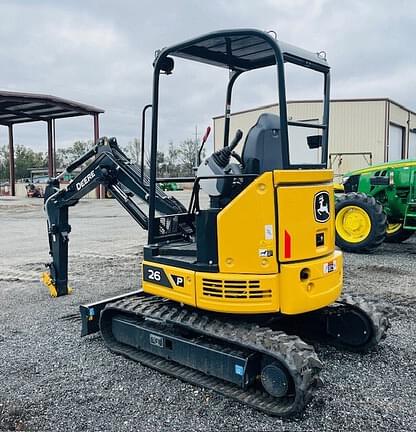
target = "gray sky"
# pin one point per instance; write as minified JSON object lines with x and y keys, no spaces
{"x":100,"y":52}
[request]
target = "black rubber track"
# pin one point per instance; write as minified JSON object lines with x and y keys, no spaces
{"x":313,"y":326}
{"x":375,"y":316}
{"x":298,"y":357}
{"x":378,"y":222}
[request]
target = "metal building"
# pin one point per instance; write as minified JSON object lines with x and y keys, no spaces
{"x":361,"y":131}
{"x":18,"y":108}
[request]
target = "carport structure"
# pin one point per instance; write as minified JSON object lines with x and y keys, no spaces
{"x":18,"y":108}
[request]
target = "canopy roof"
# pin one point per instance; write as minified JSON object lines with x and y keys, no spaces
{"x":29,"y":107}
{"x":243,"y":49}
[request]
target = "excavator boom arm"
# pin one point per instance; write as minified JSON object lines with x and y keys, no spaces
{"x":114,"y":170}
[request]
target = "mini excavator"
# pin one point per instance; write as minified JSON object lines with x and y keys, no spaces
{"x":234,"y":295}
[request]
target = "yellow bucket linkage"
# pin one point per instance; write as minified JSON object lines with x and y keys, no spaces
{"x":48,"y":282}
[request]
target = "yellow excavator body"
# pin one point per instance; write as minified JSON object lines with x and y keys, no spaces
{"x":275,"y":252}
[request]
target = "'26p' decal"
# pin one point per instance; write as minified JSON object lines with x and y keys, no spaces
{"x":155,"y":275}
{"x":179,"y":280}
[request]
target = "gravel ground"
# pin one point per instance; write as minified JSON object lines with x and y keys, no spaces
{"x":52,"y":380}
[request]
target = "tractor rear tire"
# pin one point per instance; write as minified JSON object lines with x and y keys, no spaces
{"x":395,"y":233}
{"x":360,"y":223}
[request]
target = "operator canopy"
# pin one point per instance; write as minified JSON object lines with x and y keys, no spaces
{"x":242,"y":50}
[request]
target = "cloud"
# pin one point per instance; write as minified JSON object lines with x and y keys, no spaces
{"x":100,"y":52}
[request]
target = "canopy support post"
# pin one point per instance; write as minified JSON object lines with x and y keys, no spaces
{"x":12,"y":176}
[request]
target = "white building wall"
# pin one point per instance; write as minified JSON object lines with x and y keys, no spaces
{"x":411,"y":148}
{"x":244,"y":121}
{"x":355,"y":126}
{"x":412,"y":120}
{"x":398,"y":132}
{"x":398,"y":115}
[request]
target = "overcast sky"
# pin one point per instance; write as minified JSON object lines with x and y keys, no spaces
{"x":100,"y":52}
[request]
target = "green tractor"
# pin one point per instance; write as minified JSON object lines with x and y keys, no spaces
{"x":378,"y":204}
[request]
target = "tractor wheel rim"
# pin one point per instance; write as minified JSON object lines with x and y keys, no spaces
{"x":392,"y":228}
{"x":353,"y":224}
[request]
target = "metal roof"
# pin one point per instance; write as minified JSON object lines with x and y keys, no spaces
{"x":30,"y":107}
{"x":243,"y":49}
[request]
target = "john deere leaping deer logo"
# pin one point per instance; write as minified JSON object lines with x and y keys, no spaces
{"x":322,"y":206}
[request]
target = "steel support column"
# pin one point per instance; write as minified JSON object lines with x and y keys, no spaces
{"x":54,"y":147}
{"x":99,"y":191}
{"x":143,"y":139}
{"x":50,"y":149}
{"x":12,"y":176}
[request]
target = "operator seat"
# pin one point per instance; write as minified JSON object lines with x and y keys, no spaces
{"x":262,"y":150}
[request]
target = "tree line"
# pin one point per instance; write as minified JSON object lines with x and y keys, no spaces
{"x":178,"y":160}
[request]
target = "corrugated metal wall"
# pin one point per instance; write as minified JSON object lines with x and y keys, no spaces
{"x":412,"y":136}
{"x":412,"y":121}
{"x":355,"y":126}
{"x":399,"y":116}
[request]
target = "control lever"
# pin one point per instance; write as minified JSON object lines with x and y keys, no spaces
{"x":236,"y":140}
{"x":222,"y":157}
{"x":204,"y":140}
{"x":215,"y":165}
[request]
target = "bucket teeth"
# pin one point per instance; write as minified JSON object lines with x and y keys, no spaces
{"x":48,"y":282}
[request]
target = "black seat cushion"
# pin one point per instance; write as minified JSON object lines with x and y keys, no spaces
{"x":262,"y":150}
